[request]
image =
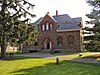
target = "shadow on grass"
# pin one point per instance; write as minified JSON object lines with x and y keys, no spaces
{"x":11,"y":58}
{"x":64,"y":68}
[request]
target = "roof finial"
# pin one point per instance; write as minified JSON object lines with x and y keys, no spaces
{"x":47,"y":12}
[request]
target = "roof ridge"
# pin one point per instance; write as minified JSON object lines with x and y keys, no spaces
{"x":76,"y":17}
{"x":60,"y":15}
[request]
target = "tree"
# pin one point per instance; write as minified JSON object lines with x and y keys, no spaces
{"x":93,"y":43}
{"x":12,"y":28}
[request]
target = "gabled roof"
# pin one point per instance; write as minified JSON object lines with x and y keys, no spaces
{"x":52,"y":18}
{"x":65,"y":21}
{"x":63,"y":18}
{"x":38,"y":21}
{"x":78,"y":19}
{"x":68,"y":26}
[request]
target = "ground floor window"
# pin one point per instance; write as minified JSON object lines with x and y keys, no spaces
{"x":59,"y":41}
{"x":71,"y":41}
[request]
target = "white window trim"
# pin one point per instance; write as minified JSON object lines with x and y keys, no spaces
{"x":47,"y":26}
{"x":51,"y":27}
{"x":43,"y":27}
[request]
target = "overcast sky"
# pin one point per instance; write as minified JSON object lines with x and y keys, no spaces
{"x":74,"y":8}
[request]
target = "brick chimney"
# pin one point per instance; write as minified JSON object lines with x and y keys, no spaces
{"x":56,"y":13}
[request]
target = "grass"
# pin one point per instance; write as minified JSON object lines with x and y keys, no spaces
{"x":46,"y":66}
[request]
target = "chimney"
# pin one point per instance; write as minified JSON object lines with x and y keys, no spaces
{"x":56,"y":13}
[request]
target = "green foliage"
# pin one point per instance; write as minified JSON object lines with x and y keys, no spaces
{"x":93,"y":42}
{"x":92,"y":46}
{"x":12,"y":28}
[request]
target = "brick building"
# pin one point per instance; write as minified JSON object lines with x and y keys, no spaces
{"x":59,"y":32}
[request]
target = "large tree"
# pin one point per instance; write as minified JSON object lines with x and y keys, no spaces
{"x":12,"y":29}
{"x":93,"y":43}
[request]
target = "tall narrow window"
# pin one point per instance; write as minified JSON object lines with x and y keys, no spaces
{"x":47,"y":26}
{"x":70,"y":41}
{"x":43,"y":27}
{"x":59,"y":41}
{"x":51,"y":27}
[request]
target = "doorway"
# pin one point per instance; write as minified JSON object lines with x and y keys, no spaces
{"x":48,"y":45}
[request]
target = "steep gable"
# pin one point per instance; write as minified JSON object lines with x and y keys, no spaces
{"x":47,"y":17}
{"x":64,"y":21}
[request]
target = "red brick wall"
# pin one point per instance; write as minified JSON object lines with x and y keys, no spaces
{"x":65,"y":35}
{"x":53,"y":34}
{"x":47,"y":19}
{"x":50,"y":34}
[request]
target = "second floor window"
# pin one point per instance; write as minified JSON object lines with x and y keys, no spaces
{"x":43,"y":27}
{"x":51,"y":27}
{"x":47,"y":26}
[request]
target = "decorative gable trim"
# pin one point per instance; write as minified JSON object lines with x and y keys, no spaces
{"x":49,"y":16}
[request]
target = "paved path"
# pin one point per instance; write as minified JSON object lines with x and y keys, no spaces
{"x":36,"y":55}
{"x":48,"y":55}
{"x":89,"y":60}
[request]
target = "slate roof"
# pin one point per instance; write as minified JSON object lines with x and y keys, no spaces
{"x":68,"y":26}
{"x":65,"y":21}
{"x":38,"y":21}
{"x":63,"y":18}
{"x":78,"y":19}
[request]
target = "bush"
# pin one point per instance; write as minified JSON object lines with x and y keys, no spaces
{"x":33,"y":51}
{"x":92,"y":46}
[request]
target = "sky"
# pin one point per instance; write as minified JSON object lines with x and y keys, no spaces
{"x":74,"y":8}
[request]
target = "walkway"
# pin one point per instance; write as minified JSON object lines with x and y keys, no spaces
{"x":88,"y":60}
{"x":48,"y":55}
{"x":36,"y":55}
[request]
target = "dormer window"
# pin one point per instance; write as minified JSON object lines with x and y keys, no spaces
{"x":47,"y":26}
{"x":43,"y":27}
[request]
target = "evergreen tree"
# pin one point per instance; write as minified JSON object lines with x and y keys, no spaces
{"x":13,"y":30}
{"x":93,"y":43}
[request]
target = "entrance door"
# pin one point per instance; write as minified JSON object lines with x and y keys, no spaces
{"x":48,"y":45}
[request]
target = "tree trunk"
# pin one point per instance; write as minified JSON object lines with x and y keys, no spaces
{"x":3,"y":36}
{"x":3,"y":50}
{"x":20,"y":48}
{"x":3,"y":46}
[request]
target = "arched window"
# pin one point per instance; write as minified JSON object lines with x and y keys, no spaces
{"x":47,"y":26}
{"x":59,"y":41}
{"x":43,"y":27}
{"x":70,"y":40}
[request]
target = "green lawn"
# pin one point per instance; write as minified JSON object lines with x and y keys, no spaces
{"x":46,"y":66}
